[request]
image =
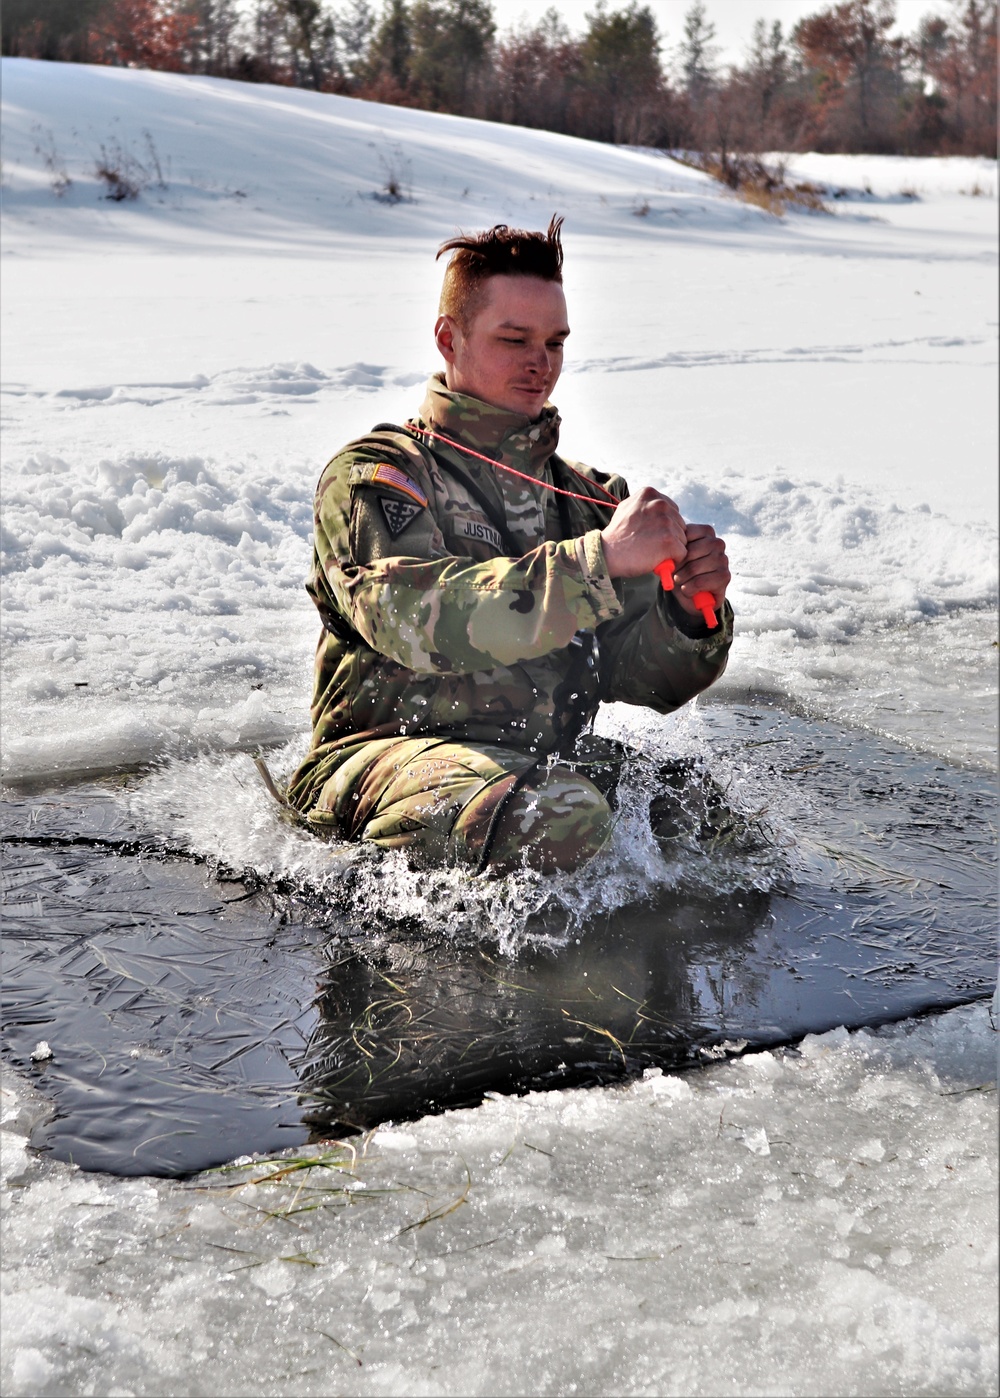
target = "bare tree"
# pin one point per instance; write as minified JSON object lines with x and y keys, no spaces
{"x":858,"y":74}
{"x":536,"y":72}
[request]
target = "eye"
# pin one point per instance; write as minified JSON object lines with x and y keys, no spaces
{"x":511,"y":340}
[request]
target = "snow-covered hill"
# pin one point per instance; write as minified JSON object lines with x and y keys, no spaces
{"x":180,"y":365}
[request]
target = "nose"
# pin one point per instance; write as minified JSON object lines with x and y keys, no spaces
{"x":540,"y":361}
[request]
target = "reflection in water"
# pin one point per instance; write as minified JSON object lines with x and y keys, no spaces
{"x":195,"y":1016}
{"x":419,"y":1026}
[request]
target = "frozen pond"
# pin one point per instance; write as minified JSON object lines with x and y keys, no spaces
{"x":818,"y":1216}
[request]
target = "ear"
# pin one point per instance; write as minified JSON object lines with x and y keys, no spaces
{"x":448,"y":338}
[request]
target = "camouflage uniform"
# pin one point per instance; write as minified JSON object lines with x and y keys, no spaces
{"x":470,"y":632}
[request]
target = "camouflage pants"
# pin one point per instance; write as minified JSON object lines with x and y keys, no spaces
{"x":475,"y":805}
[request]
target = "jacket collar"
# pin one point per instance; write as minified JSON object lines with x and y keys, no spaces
{"x":519,"y":441}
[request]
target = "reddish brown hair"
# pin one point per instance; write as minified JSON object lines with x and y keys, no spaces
{"x":499,"y":252}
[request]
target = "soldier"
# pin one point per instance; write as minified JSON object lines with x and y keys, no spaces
{"x":481,"y":595}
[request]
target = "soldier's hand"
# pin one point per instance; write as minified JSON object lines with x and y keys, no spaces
{"x":705,"y":568}
{"x":645,"y":529}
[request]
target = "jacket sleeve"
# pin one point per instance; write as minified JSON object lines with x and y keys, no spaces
{"x":381,"y":565}
{"x":655,"y":654}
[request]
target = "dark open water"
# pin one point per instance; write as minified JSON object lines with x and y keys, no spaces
{"x":194,"y":1017}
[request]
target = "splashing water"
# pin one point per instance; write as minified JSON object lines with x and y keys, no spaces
{"x":729,"y":830}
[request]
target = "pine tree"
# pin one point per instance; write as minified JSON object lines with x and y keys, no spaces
{"x":452,"y":48}
{"x":620,"y":72}
{"x":310,"y":34}
{"x":697,"y":54}
{"x":392,"y":49}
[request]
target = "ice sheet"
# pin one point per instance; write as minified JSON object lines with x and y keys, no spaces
{"x":820,"y":1220}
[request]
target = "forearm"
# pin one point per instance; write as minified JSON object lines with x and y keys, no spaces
{"x":452,"y":615}
{"x":650,"y":656}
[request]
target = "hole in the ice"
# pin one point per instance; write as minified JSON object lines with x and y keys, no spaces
{"x":212,"y":981}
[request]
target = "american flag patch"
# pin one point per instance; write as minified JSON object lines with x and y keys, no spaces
{"x":384,"y":474}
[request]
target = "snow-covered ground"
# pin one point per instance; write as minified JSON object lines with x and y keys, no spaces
{"x":179,"y":367}
{"x":823,"y":390}
{"x":817,"y":1221}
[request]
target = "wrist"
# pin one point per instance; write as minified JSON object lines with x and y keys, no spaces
{"x":608,"y":554}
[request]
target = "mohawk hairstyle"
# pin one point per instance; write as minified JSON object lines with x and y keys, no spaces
{"x":499,"y":252}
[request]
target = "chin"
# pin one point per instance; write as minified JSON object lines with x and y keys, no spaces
{"x":530,"y":403}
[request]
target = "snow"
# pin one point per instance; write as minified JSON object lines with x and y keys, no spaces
{"x":823,"y":390}
{"x":813,"y":1220}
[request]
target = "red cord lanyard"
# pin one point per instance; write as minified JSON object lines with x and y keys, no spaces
{"x":612,"y":502}
{"x":704,"y":601}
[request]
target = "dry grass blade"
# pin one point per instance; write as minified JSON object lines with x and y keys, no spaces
{"x":434,"y":1215}
{"x":538,"y":1150}
{"x":340,"y":1345}
{"x":296,"y":1165}
{"x":596,"y":1029}
{"x":898,"y":877}
{"x":642,"y":1014}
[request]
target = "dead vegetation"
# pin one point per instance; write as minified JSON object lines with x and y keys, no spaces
{"x":397,"y":184}
{"x":124,"y":173}
{"x":45,"y":148}
{"x":766,"y":186}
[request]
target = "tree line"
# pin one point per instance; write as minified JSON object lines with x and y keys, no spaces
{"x":839,"y":81}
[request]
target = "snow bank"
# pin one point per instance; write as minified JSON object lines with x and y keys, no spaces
{"x":896,"y":178}
{"x":819,"y":1220}
{"x":821,"y":389}
{"x":217,"y":161}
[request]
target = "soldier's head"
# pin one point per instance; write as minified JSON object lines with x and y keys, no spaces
{"x":502,"y":319}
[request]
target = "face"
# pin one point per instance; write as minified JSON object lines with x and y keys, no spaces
{"x":512,"y":352}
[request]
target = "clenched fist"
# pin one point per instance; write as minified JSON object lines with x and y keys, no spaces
{"x":647,"y":528}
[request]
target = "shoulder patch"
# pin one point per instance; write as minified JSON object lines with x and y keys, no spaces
{"x":384,"y":474}
{"x":398,"y":513}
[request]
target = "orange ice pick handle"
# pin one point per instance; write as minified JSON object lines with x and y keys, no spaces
{"x":665,"y":572}
{"x":704,"y":601}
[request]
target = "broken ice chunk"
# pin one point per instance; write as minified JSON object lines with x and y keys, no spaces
{"x":755,"y":1140}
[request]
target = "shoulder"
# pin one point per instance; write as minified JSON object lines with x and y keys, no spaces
{"x":384,"y":442}
{"x":387,"y":457}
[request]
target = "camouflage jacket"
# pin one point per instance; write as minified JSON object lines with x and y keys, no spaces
{"x":461,"y":601}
